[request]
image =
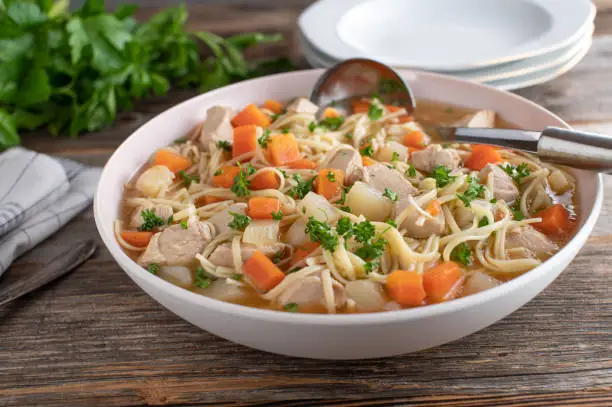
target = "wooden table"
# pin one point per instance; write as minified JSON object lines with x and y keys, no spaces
{"x":95,"y":339}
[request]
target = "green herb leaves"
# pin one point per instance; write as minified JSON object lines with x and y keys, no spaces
{"x":264,"y":139}
{"x":375,"y":112}
{"x":240,"y":221}
{"x":517,"y":173}
{"x":150,"y":221}
{"x":241,"y":183}
{"x":462,"y":254}
{"x":203,"y":278}
{"x":188,"y":179}
{"x":153,"y":268}
{"x":322,"y":233}
{"x":474,"y":190}
{"x":442,"y":177}
{"x":302,"y":187}
{"x":390,"y":194}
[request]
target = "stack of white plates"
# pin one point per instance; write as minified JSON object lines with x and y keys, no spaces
{"x":508,"y":44}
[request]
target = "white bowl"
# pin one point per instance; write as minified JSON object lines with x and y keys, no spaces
{"x":355,"y":336}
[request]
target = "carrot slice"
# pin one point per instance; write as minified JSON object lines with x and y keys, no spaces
{"x":555,"y":220}
{"x":301,"y":252}
{"x":481,"y":156}
{"x":265,"y":180}
{"x":393,"y":109}
{"x":262,"y":272}
{"x":406,"y":288}
{"x":261,"y":207}
{"x":283,"y":149}
{"x":245,"y":140}
{"x":415,"y":139}
{"x":273,"y":106}
{"x":138,"y":239}
{"x":224,"y":177}
{"x":303,"y":164}
{"x":331,"y":113}
{"x":207,"y":200}
{"x":360,"y":106}
{"x":442,"y":282}
{"x":251,"y":115}
{"x":367,"y":161}
{"x":433,"y":208}
{"x":329,"y":182}
{"x":173,"y":161}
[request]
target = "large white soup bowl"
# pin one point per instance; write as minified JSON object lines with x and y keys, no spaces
{"x":351,"y":336}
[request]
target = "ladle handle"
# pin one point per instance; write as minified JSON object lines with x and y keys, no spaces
{"x":578,"y":149}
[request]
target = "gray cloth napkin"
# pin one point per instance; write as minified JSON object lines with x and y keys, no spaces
{"x":38,"y":195}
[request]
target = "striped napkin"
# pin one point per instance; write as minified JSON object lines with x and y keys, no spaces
{"x":38,"y":195}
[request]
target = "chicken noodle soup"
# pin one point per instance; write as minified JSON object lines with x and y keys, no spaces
{"x":360,"y":211}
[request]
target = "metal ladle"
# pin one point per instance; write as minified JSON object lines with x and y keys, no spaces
{"x":360,"y":77}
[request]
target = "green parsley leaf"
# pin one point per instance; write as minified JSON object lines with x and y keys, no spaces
{"x":170,"y":219}
{"x":493,"y":200}
{"x":184,"y":224}
{"x":286,"y":130}
{"x":372,"y":249}
{"x":188,"y":179}
{"x":411,"y":171}
{"x":264,"y":139}
{"x":462,"y":254}
{"x":224,"y":145}
{"x":346,"y":209}
{"x":332,"y":123}
{"x":291,"y":307}
{"x":367,"y":151}
{"x":390,"y":194}
{"x":312,"y":126}
{"x":181,"y":140}
{"x":474,"y":190}
{"x":517,"y":173}
{"x":395,"y":156}
{"x":390,"y":86}
{"x":153,"y":268}
{"x":241,"y":183}
{"x":322,"y":233}
{"x":441,"y":175}
{"x":302,"y":187}
{"x":370,"y":266}
{"x":277,"y":215}
{"x":331,"y":176}
{"x":344,"y":227}
{"x":364,"y":231}
{"x":483,"y":222}
{"x":349,"y":136}
{"x":237,"y":277}
{"x":293,"y":270}
{"x":218,"y":172}
{"x":150,"y":220}
{"x":375,"y":112}
{"x":240,"y":221}
{"x":391,"y":222}
{"x":203,"y":278}
{"x":518,"y":214}
{"x":278,"y":256}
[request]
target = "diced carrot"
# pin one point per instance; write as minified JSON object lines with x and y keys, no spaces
{"x":283,"y":149}
{"x":245,"y":140}
{"x":224,"y":177}
{"x":173,"y":161}
{"x":405,"y":119}
{"x":360,"y":106}
{"x":393,"y":109}
{"x":138,"y":239}
{"x":329,"y":182}
{"x":303,"y":164}
{"x":207,"y":200}
{"x":301,"y":252}
{"x":433,"y":208}
{"x":555,"y":220}
{"x":262,"y":272}
{"x":331,"y":113}
{"x":273,"y":106}
{"x":481,"y":156}
{"x":442,"y":282}
{"x":367,"y":161}
{"x":251,"y":115}
{"x":265,"y":180}
{"x":414,"y":139}
{"x":406,"y":288}
{"x":261,"y":207}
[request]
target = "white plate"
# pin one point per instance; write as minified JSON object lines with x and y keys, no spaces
{"x":444,"y":35}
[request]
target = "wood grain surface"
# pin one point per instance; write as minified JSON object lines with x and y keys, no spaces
{"x":94,"y":338}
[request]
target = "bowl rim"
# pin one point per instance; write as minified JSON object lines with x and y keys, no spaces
{"x":135,"y":271}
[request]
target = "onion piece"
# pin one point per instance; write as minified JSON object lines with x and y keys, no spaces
{"x":295,"y":234}
{"x":178,"y":275}
{"x":478,"y":282}
{"x":367,"y":201}
{"x":368,"y":295}
{"x":261,"y":233}
{"x":317,"y":206}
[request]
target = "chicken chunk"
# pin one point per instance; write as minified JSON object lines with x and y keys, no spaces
{"x":222,"y":255}
{"x":302,"y":105}
{"x":217,"y":126}
{"x":499,"y":182}
{"x":348,"y":160}
{"x":417,"y":225}
{"x":160,"y":210}
{"x":529,"y":238}
{"x":434,"y":155}
{"x":482,"y":118}
{"x":177,"y":246}
{"x":221,"y":219}
{"x":309,"y":291}
{"x":381,"y":177}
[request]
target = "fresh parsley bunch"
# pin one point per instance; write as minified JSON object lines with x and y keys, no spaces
{"x":72,"y":72}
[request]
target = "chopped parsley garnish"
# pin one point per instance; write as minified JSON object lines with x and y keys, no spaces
{"x":344,"y":227}
{"x":275,"y":116}
{"x":367,"y":151}
{"x":240,"y":221}
{"x":225,"y":145}
{"x":278,"y":256}
{"x":462,"y":254}
{"x":390,"y":194}
{"x":241,"y":184}
{"x":483,"y":222}
{"x":322,"y":233}
{"x":395,"y":156}
{"x":153,"y":268}
{"x":264,"y":139}
{"x":493,"y":200}
{"x":349,"y":136}
{"x":203,"y":278}
{"x":364,"y":231}
{"x":291,"y":307}
{"x":331,"y":176}
{"x":302,"y":187}
{"x":517,"y":173}
{"x":170,"y":219}
{"x":391,"y":222}
{"x":312,"y":126}
{"x":375,"y":112}
{"x":150,"y":221}
{"x":370,"y":266}
{"x":332,"y":123}
{"x":277,"y":215}
{"x":389,"y":85}
{"x":188,"y":179}
{"x":343,"y":195}
{"x":237,"y":277}
{"x":346,"y":209}
{"x":286,"y":130}
{"x":411,"y":171}
{"x":293,"y":270}
{"x":218,"y":172}
{"x":372,"y":249}
{"x":474,"y":190}
{"x":518,"y":214}
{"x":441,"y":175}
{"x":180,"y":140}
{"x":184,"y":224}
